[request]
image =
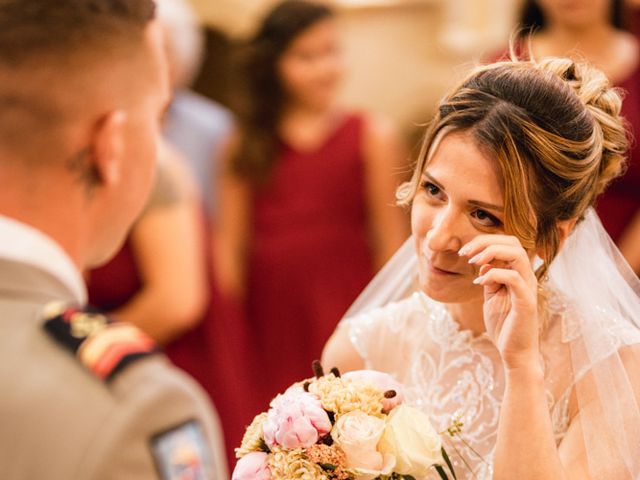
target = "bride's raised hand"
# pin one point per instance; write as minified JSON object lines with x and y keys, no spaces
{"x":510,"y":296}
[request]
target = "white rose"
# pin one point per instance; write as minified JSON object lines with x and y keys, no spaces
{"x":358,"y":435}
{"x":410,"y":437}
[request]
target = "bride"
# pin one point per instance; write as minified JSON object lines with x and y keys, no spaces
{"x":509,"y":312}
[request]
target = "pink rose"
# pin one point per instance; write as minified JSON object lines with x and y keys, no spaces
{"x":295,"y":419}
{"x":253,"y":466}
{"x":382,"y":381}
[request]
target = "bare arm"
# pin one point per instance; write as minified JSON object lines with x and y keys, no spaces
{"x":603,"y":456}
{"x":630,"y":243}
{"x":385,"y":160}
{"x":168,"y":246}
{"x":232,"y":228}
{"x":526,"y":447}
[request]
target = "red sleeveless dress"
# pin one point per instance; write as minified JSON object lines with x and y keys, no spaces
{"x":621,"y":201}
{"x":310,"y":254}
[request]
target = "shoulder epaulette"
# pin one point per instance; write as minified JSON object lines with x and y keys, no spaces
{"x":102,"y":345}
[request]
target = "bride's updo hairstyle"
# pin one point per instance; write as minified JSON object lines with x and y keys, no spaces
{"x":553,"y":127}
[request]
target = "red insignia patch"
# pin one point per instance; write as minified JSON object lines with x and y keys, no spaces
{"x":102,"y":345}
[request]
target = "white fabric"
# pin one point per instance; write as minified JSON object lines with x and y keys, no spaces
{"x":591,"y":316}
{"x":22,"y":243}
{"x":449,"y":373}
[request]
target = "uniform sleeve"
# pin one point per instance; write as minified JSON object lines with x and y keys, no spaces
{"x":162,"y":427}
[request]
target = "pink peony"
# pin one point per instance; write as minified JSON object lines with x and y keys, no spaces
{"x":382,"y":381}
{"x":253,"y":466}
{"x":295,"y":419}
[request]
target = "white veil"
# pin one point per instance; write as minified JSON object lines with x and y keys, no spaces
{"x":598,"y":344}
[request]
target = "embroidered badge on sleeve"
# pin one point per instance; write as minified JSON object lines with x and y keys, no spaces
{"x":102,"y":345}
{"x":182,"y":453}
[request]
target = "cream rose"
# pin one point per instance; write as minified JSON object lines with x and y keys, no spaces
{"x":358,"y":435}
{"x":410,"y":437}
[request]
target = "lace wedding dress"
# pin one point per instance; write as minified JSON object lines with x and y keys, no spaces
{"x":450,"y":374}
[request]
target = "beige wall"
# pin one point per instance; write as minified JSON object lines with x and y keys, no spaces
{"x":402,"y":58}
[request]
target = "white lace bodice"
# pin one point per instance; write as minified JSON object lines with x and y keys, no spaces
{"x":448,"y":373}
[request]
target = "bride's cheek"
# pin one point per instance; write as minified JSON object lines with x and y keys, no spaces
{"x":421,"y":217}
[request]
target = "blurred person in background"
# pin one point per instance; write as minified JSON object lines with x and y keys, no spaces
{"x":632,"y":16}
{"x":307,"y":194}
{"x":593,"y":30}
{"x":214,"y":352}
{"x":194,"y":125}
{"x":160,"y":279}
{"x":83,"y":87}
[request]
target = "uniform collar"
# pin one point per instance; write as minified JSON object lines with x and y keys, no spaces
{"x":26,"y":245}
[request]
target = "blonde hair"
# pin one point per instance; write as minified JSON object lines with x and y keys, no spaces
{"x":555,"y":131}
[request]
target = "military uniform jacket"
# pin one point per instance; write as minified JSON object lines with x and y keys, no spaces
{"x":58,"y":420}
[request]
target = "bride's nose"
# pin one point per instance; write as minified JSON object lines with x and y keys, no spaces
{"x":444,"y":234}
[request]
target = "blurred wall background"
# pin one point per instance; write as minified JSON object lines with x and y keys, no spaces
{"x":402,"y":55}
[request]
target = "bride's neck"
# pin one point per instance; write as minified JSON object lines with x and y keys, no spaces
{"x":469,"y":316}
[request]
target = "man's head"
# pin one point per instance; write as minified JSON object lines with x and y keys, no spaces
{"x":83,"y":84}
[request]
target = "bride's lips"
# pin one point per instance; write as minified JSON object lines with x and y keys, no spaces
{"x":436,"y":267}
{"x":440,"y":271}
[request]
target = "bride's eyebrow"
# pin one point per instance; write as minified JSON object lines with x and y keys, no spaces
{"x":433,"y":180}
{"x":488,"y":206}
{"x":475,"y":203}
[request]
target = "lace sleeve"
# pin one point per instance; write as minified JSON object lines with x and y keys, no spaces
{"x":385,"y":337}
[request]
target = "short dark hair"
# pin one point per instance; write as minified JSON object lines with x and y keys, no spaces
{"x":31,"y":29}
{"x":45,"y":44}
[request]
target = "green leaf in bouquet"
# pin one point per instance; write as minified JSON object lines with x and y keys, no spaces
{"x":449,"y":464}
{"x":441,"y":472}
{"x":332,"y":416}
{"x":264,"y":447}
{"x":326,"y":440}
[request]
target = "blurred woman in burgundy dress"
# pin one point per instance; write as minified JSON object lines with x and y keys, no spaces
{"x":307,"y":199}
{"x":593,"y":30}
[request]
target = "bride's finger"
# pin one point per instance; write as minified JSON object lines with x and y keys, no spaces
{"x":481,"y":242}
{"x":511,"y":279}
{"x":515,"y":258}
{"x":484,"y":269}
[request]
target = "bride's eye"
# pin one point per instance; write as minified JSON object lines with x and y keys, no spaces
{"x":431,"y":189}
{"x":485,"y":218}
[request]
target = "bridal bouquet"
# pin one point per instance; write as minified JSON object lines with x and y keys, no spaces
{"x":349,"y":427}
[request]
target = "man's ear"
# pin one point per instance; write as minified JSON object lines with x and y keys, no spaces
{"x":565,"y":227}
{"x":107,"y":148}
